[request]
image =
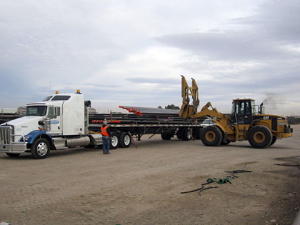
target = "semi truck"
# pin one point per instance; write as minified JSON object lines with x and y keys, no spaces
{"x":62,"y":121}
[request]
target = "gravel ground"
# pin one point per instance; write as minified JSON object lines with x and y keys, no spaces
{"x":142,"y":185}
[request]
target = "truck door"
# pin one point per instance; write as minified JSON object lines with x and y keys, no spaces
{"x":54,"y":115}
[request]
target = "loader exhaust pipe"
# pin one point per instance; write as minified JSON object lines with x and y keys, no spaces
{"x":261,"y":108}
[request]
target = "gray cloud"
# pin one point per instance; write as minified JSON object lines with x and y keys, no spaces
{"x":147,"y":80}
{"x":263,"y":36}
{"x":134,"y":52}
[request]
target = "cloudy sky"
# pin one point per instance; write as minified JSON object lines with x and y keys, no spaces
{"x":132,"y":52}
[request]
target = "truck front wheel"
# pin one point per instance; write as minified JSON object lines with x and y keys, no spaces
{"x":40,"y":149}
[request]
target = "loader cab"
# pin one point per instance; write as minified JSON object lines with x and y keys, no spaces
{"x":242,"y":111}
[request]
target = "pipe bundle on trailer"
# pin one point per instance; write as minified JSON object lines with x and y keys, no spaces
{"x":140,"y":111}
{"x":132,"y":109}
{"x":140,"y":115}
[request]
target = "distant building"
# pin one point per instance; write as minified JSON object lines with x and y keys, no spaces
{"x":92,"y":111}
{"x":8,"y":111}
{"x":293,"y":119}
{"x":21,"y":110}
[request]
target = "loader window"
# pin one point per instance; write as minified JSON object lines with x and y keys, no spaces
{"x":248,"y":108}
{"x":243,"y":111}
{"x":241,"y":108}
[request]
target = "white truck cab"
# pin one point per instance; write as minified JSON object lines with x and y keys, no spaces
{"x":59,"y":121}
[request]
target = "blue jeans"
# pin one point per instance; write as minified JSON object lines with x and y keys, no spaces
{"x":105,"y":144}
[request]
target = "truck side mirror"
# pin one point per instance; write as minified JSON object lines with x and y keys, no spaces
{"x":54,"y":112}
{"x":51,"y":112}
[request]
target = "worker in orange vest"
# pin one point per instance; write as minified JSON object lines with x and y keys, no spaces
{"x":105,"y":137}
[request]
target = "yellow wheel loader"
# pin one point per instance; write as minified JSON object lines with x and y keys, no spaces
{"x":247,"y":121}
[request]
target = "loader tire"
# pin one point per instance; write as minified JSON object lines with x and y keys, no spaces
{"x":225,"y":142}
{"x":274,"y":138}
{"x":260,"y":137}
{"x":125,"y":140}
{"x":211,"y":136}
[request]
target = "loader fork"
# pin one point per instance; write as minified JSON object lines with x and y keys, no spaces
{"x":186,"y":109}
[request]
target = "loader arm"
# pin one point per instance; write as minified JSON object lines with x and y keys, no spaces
{"x":206,"y":111}
{"x":195,"y":94}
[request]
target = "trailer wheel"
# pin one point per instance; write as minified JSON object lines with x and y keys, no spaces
{"x":211,"y":136}
{"x":125,"y":140}
{"x":186,"y":134}
{"x":166,"y":137}
{"x":40,"y":149}
{"x":274,"y":138}
{"x":260,"y":137}
{"x":178,"y":134}
{"x":198,"y":133}
{"x":13,"y":155}
{"x":114,"y":142}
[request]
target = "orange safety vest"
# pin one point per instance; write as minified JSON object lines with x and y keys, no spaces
{"x":104,"y":131}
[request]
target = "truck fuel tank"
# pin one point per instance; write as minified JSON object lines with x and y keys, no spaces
{"x":82,"y":141}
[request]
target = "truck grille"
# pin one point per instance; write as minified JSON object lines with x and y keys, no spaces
{"x":5,"y":135}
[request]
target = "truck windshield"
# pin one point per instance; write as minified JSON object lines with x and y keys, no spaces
{"x":47,"y":98}
{"x":60,"y":98}
{"x":36,"y":110}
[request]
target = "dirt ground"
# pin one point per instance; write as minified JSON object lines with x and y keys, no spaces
{"x":142,"y":185}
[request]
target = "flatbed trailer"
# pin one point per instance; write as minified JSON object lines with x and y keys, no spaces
{"x":127,"y":126}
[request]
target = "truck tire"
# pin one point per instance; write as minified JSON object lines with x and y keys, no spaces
{"x":178,"y":134}
{"x":197,"y":134}
{"x":274,"y":138}
{"x":186,"y":134}
{"x":13,"y":155}
{"x":125,"y":140}
{"x":114,"y":141}
{"x":211,"y":136}
{"x":260,"y":137}
{"x":40,"y":149}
